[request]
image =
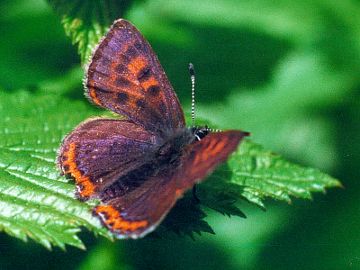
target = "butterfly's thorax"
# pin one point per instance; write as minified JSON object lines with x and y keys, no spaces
{"x":170,"y":150}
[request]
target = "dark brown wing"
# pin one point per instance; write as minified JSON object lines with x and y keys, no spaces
{"x":138,"y":212}
{"x":99,"y":151}
{"x":126,"y":77}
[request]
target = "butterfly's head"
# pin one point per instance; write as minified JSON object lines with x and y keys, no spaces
{"x":199,"y":132}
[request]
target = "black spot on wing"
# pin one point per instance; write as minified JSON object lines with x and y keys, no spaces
{"x":131,"y":52}
{"x":154,"y":90}
{"x":138,"y":45}
{"x":162,"y":108}
{"x":122,"y":82}
{"x":122,"y":97}
{"x":121,"y":68}
{"x":144,"y":74}
{"x":140,"y":103}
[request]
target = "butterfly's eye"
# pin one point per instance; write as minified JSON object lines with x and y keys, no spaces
{"x":200,"y":133}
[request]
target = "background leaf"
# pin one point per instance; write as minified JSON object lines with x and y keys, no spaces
{"x":263,"y":174}
{"x":86,"y":21}
{"x":254,"y":174}
{"x":35,"y":201}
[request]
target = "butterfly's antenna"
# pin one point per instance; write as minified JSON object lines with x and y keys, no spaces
{"x":214,"y":130}
{"x":192,"y":77}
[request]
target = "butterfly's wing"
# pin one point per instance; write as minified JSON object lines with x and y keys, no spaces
{"x":125,"y":76}
{"x":139,"y":212}
{"x":99,"y":151}
{"x":202,"y":157}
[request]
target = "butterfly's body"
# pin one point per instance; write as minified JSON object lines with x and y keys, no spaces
{"x":171,"y":149}
{"x":138,"y":167}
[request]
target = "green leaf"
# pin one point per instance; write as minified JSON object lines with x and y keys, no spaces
{"x":35,"y":201}
{"x":221,"y":202}
{"x":186,"y":218}
{"x":86,"y":21}
{"x":255,"y":174}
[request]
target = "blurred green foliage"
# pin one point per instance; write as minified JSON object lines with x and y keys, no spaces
{"x":286,"y":71}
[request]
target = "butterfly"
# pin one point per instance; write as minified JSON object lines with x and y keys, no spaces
{"x":138,"y":166}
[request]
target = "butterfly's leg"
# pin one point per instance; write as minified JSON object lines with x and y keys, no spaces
{"x":196,"y":198}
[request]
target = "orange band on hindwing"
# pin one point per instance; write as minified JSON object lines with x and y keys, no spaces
{"x":112,"y":218}
{"x":69,"y":166}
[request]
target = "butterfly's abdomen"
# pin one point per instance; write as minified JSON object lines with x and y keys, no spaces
{"x":129,"y":182}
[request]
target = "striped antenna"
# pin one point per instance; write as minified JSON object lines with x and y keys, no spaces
{"x":214,"y":130}
{"x":192,"y":77}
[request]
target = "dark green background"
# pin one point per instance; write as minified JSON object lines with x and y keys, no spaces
{"x":288,"y":71}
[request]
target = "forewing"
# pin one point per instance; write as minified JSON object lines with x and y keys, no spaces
{"x":202,"y":157}
{"x":126,"y":77}
{"x":99,"y":151}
